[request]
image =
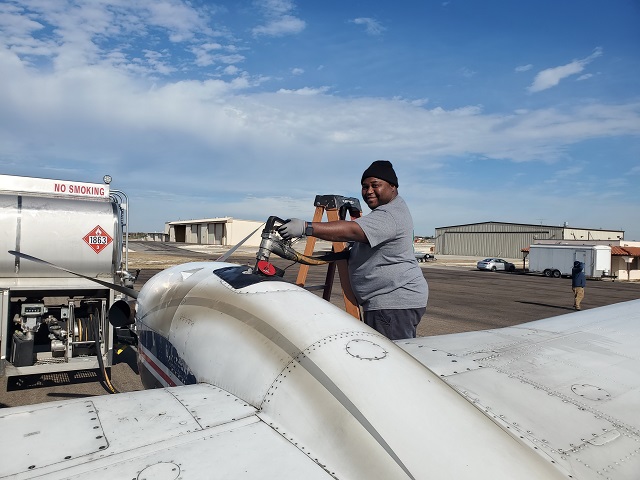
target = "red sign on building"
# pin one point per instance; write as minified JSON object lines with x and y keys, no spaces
{"x":97,"y":239}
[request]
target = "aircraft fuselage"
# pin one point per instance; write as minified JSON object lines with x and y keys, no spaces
{"x":345,"y":395}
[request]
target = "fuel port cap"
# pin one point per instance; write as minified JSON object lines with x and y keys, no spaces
{"x":266,"y":268}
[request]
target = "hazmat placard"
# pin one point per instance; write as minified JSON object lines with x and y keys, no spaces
{"x":98,"y":239}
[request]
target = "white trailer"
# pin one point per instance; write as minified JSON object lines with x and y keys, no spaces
{"x":50,"y":320}
{"x":557,"y":260}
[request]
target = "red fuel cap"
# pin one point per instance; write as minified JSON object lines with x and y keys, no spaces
{"x":266,"y":268}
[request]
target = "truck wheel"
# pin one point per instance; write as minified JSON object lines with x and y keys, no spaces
{"x":547,"y":273}
{"x":556,"y":274}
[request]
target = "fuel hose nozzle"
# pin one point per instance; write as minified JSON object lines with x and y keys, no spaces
{"x":272,"y":243}
{"x":269,"y":242}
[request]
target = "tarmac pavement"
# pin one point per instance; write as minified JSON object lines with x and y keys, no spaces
{"x":461,"y":298}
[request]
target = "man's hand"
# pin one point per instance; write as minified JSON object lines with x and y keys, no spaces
{"x":292,"y":228}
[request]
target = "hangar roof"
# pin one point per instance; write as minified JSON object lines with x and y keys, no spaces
{"x":532,"y":225}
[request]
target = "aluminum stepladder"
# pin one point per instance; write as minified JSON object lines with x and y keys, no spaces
{"x":336,"y":208}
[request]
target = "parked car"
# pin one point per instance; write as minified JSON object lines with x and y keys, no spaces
{"x":495,"y":264}
{"x":424,"y":257}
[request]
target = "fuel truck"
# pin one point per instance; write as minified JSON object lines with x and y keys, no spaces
{"x":51,"y":320}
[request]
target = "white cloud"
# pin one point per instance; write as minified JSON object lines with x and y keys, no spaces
{"x":101,"y":121}
{"x":157,"y":62}
{"x":285,"y":25}
{"x":467,"y":73}
{"x":372,"y":26}
{"x":280,"y":21}
{"x":524,"y":68}
{"x":222,"y":58}
{"x":75,"y":34}
{"x":231,"y":70}
{"x":276,"y":7}
{"x":179,"y":18}
{"x":563,"y":174}
{"x":552,"y":76}
{"x":305,"y":91}
{"x":14,"y":24}
{"x":186,"y":133}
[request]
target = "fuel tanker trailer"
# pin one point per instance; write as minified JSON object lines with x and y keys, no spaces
{"x":51,"y":320}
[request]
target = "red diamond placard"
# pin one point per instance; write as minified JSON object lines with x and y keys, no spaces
{"x":97,"y":239}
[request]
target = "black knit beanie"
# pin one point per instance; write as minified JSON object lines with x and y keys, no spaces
{"x":383,"y":170}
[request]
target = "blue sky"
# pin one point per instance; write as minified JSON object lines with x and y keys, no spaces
{"x":514,"y":111}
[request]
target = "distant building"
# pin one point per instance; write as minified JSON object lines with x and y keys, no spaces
{"x":625,"y":261}
{"x":149,"y":236}
{"x":499,"y":239}
{"x":424,"y":244}
{"x":226,"y":231}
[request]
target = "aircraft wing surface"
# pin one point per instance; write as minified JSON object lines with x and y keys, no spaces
{"x":569,"y":384}
{"x":194,"y":431}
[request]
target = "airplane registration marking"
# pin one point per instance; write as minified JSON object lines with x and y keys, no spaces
{"x":167,"y":366}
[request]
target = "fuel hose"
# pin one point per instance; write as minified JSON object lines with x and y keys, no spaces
{"x":288,"y":253}
{"x":105,"y":376}
{"x":271,"y":243}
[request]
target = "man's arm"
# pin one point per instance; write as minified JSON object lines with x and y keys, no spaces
{"x":338,"y":231}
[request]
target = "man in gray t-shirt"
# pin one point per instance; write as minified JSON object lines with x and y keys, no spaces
{"x":385,"y":276}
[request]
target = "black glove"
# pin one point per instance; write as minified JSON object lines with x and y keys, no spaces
{"x":292,"y":228}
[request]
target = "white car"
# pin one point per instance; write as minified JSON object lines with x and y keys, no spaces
{"x":495,"y":264}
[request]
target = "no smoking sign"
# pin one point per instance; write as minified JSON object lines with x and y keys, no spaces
{"x":97,"y":239}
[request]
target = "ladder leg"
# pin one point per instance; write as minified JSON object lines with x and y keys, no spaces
{"x":308,"y":250}
{"x":350,"y":303}
{"x":328,"y":283}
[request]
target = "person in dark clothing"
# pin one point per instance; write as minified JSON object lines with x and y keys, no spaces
{"x":578,"y":282}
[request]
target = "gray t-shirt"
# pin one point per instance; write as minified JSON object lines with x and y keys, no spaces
{"x":385,"y":273}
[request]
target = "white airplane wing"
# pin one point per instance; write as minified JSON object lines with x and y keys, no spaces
{"x":569,"y":384}
{"x":196,"y":431}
